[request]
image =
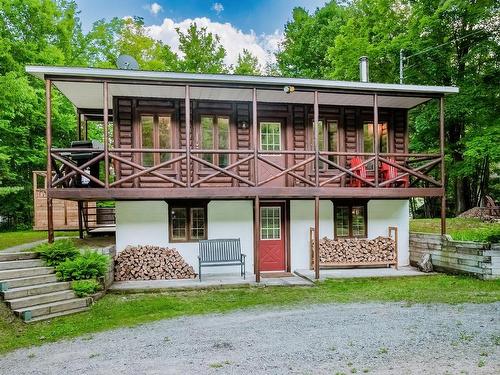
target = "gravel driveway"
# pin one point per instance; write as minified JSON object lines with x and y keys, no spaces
{"x":374,"y":338}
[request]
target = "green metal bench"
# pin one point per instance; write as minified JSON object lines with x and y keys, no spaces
{"x":221,"y":252}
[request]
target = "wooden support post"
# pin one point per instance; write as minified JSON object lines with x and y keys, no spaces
{"x":79,"y":124}
{"x":106,"y":136}
{"x":48,"y":119}
{"x":376,"y":134}
{"x":256,"y":239}
{"x":80,"y":219}
{"x":316,"y":237}
{"x":255,"y":137}
{"x":187,"y":105}
{"x":443,"y":175}
{"x":316,"y":137}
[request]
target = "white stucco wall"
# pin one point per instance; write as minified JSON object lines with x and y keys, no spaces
{"x":301,"y":219}
{"x":146,"y":223}
{"x":385,"y":213}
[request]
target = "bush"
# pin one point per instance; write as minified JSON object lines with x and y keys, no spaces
{"x":89,"y":265}
{"x":57,"y":252}
{"x":84,"y":288}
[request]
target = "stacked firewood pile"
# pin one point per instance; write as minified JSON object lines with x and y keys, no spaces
{"x":356,"y":250}
{"x":151,"y":263}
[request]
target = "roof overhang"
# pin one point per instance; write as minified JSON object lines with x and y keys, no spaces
{"x":83,"y":87}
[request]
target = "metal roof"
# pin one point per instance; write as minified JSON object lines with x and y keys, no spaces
{"x":231,"y":79}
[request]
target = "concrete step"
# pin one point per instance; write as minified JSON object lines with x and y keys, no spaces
{"x":27,"y":281}
{"x":41,"y":299}
{"x":35,"y":290}
{"x":31,"y":312}
{"x":16,"y":264}
{"x":56,"y":315}
{"x":17,"y":256}
{"x":25,"y":272}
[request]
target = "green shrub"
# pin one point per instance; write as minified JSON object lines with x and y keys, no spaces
{"x":89,"y":265}
{"x":57,"y":252}
{"x":84,"y":288}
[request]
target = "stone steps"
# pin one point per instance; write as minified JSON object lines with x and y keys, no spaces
{"x":17,"y":256}
{"x":16,"y":264}
{"x":37,"y":311}
{"x":57,"y":314}
{"x":35,"y":290}
{"x":41,"y":299}
{"x":32,"y":291}
{"x":25,"y":272}
{"x":28,"y":281}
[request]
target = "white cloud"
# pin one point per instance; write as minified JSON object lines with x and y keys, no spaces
{"x":218,"y":8}
{"x":154,"y":8}
{"x":234,"y":40}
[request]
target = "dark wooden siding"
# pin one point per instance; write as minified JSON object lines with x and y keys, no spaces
{"x":299,"y":134}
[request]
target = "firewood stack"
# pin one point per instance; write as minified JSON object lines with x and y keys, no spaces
{"x":151,"y":263}
{"x":356,"y":250}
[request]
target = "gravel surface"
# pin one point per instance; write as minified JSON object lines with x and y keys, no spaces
{"x":374,"y":338}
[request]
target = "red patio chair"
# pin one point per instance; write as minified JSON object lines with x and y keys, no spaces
{"x":360,"y":171}
{"x":389,"y":172}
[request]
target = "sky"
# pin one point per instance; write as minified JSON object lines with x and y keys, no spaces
{"x":256,"y":25}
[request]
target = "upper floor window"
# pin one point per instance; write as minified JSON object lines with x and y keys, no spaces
{"x":156,"y":132}
{"x":350,"y":219}
{"x":214,"y":135}
{"x":369,"y":137}
{"x":270,"y":136}
{"x":328,"y":140}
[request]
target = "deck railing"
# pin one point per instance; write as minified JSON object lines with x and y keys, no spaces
{"x":295,"y":168}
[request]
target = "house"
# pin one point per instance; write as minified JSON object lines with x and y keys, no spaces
{"x":264,"y":159}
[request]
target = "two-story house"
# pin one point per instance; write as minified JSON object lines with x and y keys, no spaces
{"x":264,"y":159}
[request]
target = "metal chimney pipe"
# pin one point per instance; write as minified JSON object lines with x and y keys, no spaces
{"x":363,"y":69}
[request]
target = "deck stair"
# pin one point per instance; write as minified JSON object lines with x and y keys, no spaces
{"x":31,"y":290}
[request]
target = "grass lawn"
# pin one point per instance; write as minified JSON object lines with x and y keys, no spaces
{"x":9,"y":239}
{"x":114,"y":311}
{"x":461,"y":229}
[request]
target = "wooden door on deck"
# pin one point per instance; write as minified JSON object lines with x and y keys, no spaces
{"x":272,"y":138}
{"x":272,"y":237}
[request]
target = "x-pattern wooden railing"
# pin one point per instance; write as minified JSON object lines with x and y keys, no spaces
{"x":414,"y":167}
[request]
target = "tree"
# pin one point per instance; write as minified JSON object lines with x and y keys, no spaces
{"x":32,"y":32}
{"x":461,"y":47}
{"x":247,"y":64}
{"x":203,"y":52}
{"x":307,"y":39}
{"x":108,"y":40}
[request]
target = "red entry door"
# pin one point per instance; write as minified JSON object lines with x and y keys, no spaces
{"x":272,"y":237}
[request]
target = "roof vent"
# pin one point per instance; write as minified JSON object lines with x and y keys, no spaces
{"x":363,"y":69}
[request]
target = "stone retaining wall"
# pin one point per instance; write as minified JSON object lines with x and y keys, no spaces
{"x":480,"y":259}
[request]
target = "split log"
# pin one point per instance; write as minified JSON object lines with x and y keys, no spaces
{"x":151,"y":263}
{"x":356,"y":250}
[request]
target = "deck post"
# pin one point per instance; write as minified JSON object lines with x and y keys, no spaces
{"x":443,"y":175}
{"x":79,"y":124}
{"x":48,"y":134}
{"x":106,"y":136}
{"x":256,"y":239}
{"x":316,"y":137}
{"x":376,"y":134}
{"x":255,"y":136}
{"x":80,"y":219}
{"x":316,"y":237}
{"x":187,"y":104}
{"x":86,"y":128}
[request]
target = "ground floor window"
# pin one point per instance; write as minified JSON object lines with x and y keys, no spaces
{"x":350,"y":219}
{"x":187,"y":221}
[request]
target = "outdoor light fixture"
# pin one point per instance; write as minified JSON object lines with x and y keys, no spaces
{"x":243,"y":125}
{"x":288,"y":89}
